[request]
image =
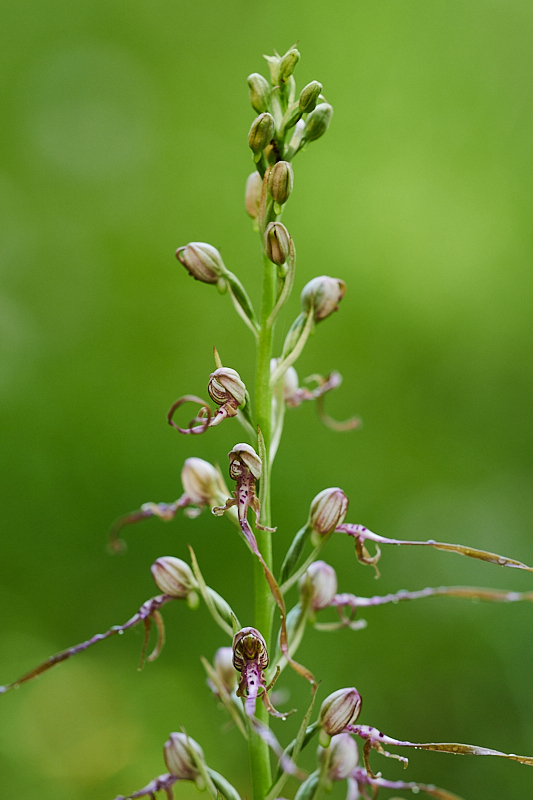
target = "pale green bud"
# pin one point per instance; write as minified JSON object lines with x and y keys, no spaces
{"x":339,"y":709}
{"x":280,"y":182}
{"x":203,"y":261}
{"x":290,"y":383}
{"x":277,"y":243}
{"x":174,"y":577}
{"x":224,"y":668}
{"x":342,"y":757}
{"x":288,"y":64}
{"x":309,"y":97}
{"x":324,"y":294}
{"x":201,"y":482}
{"x":261,"y":132}
{"x":252,"y":194}
{"x":244,"y":455}
{"x":178,"y":756}
{"x":317,"y":122}
{"x":328,"y":510}
{"x":259,"y":92}
{"x":321,"y":581}
{"x":225,"y":386}
{"x":273,"y":65}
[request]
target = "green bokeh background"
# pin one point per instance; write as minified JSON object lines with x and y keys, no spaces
{"x":124,"y":136}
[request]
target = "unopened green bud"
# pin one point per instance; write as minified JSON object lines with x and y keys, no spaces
{"x":201,"y":482}
{"x":225,"y":669}
{"x":180,"y":753}
{"x":174,"y":577}
{"x":317,"y":122}
{"x":339,"y":709}
{"x":277,"y":243}
{"x":309,"y":97}
{"x":244,"y":456}
{"x":342,"y":757}
{"x":280,"y":182}
{"x":261,"y":132}
{"x":259,"y":92}
{"x":225,"y":386}
{"x":288,"y":64}
{"x":328,"y":510}
{"x":252,"y":194}
{"x":324,"y":295}
{"x":203,"y":261}
{"x":321,"y":581}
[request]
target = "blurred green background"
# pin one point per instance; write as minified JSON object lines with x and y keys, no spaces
{"x":125,"y":136}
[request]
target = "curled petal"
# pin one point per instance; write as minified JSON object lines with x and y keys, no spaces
{"x":378,"y":739}
{"x":465,"y":592}
{"x":204,"y":415}
{"x":361,"y":534}
{"x":165,"y":511}
{"x":147,"y":611}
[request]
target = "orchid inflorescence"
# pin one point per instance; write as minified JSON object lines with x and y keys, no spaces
{"x":243,"y":672}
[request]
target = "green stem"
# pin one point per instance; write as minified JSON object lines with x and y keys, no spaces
{"x":259,"y":753}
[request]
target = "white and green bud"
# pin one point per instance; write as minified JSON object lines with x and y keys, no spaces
{"x":225,"y":386}
{"x":181,"y":754}
{"x":339,"y":709}
{"x":328,"y":509}
{"x":342,"y":756}
{"x":201,"y":482}
{"x":202,"y":261}
{"x":309,"y":97}
{"x":324,"y":295}
{"x":259,"y":92}
{"x":317,"y":122}
{"x":261,"y":132}
{"x":290,"y":382}
{"x":244,"y":456}
{"x":252,"y":194}
{"x":175,"y":578}
{"x":280,"y":182}
{"x":320,"y":581}
{"x":224,"y":668}
{"x":277,"y":243}
{"x":288,"y":64}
